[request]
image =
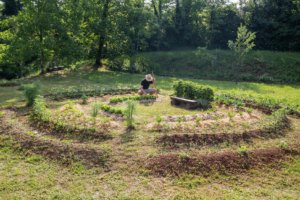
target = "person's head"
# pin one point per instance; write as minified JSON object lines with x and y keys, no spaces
{"x":149,"y":77}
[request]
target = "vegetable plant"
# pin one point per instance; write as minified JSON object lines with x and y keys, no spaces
{"x":231,"y":115}
{"x":242,"y":150}
{"x":249,"y":110}
{"x":159,"y":119}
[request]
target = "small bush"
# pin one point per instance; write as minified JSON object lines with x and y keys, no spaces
{"x":189,"y":90}
{"x":31,"y":92}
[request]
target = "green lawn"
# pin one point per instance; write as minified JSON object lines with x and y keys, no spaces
{"x":26,"y":176}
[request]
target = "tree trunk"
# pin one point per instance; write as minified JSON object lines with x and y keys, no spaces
{"x":102,"y":37}
{"x":42,"y":63}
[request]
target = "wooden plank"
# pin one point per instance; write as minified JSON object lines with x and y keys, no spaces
{"x":183,"y":100}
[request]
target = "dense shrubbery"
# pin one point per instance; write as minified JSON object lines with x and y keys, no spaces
{"x":125,"y":98}
{"x":190,"y":90}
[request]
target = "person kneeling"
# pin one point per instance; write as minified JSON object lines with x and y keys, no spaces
{"x":145,"y":86}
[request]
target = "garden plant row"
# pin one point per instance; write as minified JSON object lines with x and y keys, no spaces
{"x":135,"y":98}
{"x":78,"y":91}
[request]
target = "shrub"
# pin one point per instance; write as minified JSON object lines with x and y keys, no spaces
{"x":203,"y":103}
{"x":189,"y":90}
{"x":31,"y":92}
{"x":129,"y":111}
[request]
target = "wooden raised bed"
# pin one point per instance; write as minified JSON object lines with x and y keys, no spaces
{"x":190,"y":104}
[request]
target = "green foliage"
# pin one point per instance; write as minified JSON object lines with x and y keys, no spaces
{"x":31,"y":92}
{"x":242,"y":150}
{"x":179,"y":119}
{"x":198,"y":119}
{"x":129,"y":111}
{"x":249,"y":110}
{"x":84,"y":98}
{"x":283,"y":145}
{"x":189,"y":90}
{"x":95,"y":107}
{"x":134,"y":98}
{"x":231,"y":115}
{"x":159,"y":119}
{"x":4,"y":82}
{"x":242,"y":46}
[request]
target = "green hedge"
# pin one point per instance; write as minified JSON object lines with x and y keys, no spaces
{"x":190,"y":90}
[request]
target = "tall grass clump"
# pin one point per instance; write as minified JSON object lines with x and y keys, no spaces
{"x":31,"y":91}
{"x":129,"y":111}
{"x":95,"y":111}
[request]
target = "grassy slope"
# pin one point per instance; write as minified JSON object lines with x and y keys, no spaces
{"x":218,"y":64}
{"x":33,"y":177}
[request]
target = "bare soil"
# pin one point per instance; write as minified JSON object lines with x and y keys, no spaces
{"x":204,"y":139}
{"x":54,"y":149}
{"x":224,"y":162}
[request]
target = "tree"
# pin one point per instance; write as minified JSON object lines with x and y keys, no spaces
{"x":11,"y":7}
{"x":242,"y":46}
{"x":43,"y":27}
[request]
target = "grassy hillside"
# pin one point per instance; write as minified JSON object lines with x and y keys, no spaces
{"x":260,"y":66}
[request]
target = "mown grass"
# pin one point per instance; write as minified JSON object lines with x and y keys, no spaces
{"x":25,"y":176}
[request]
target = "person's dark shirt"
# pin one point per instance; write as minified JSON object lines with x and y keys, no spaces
{"x":146,"y":84}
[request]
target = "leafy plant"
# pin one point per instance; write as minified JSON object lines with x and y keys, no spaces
{"x":249,"y":110}
{"x":159,"y":119}
{"x":217,"y":117}
{"x":242,"y":150}
{"x":184,"y":155}
{"x":241,"y":113}
{"x":231,"y":115}
{"x":179,"y":119}
{"x":198,"y":119}
{"x":129,"y":111}
{"x":31,"y":92}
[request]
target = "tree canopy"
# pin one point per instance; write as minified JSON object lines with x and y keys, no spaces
{"x":70,"y":30}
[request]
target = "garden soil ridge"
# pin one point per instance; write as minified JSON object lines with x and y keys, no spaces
{"x":53,"y":149}
{"x":173,"y":164}
{"x":202,"y":139}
